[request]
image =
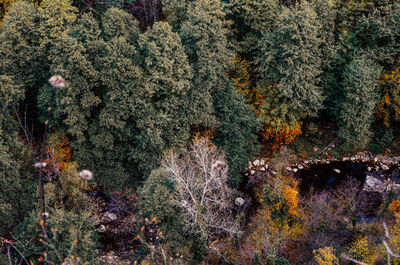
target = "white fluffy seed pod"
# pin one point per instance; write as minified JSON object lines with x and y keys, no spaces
{"x":86,"y":174}
{"x":40,"y":165}
{"x":218,"y":165}
{"x":57,"y":81}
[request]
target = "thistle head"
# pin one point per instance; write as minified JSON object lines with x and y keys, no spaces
{"x":85,"y":174}
{"x":57,"y":81}
{"x":218,"y":165}
{"x":40,"y":165}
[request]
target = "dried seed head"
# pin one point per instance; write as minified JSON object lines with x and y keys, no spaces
{"x":218,"y":165}
{"x":57,"y":81}
{"x":40,"y":165}
{"x":86,"y":174}
{"x":46,"y":214}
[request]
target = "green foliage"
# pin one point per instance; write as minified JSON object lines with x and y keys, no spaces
{"x":205,"y":38}
{"x":238,"y":126}
{"x":71,"y":223}
{"x":20,"y":53}
{"x":157,"y":200}
{"x":115,"y":93}
{"x":118,"y":23}
{"x":252,"y":19}
{"x":16,"y":175}
{"x":70,"y":234}
{"x":166,"y":120}
{"x":175,"y":11}
{"x":358,"y":108}
{"x":290,"y":57}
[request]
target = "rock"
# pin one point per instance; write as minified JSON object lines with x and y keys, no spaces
{"x":375,"y":159}
{"x":262,"y":169}
{"x":345,"y":159}
{"x":352,"y":158}
{"x":101,"y":229}
{"x":288,"y":169}
{"x":256,"y":162}
{"x":384,"y":167}
{"x":110,"y":217}
{"x":295,"y":170}
{"x":369,"y":168}
{"x":336,"y":170}
{"x":239,"y":201}
{"x":250,"y":164}
{"x":262,"y":162}
{"x":273,"y":172}
{"x":252,"y":172}
{"x":373,"y":184}
{"x":306,"y":161}
{"x":266,"y":166}
{"x":300,"y":166}
{"x":393,"y":187}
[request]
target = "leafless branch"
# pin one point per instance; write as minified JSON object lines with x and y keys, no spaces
{"x":353,"y":260}
{"x":24,"y":126}
{"x":200,"y":175}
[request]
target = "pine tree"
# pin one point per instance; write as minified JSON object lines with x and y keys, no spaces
{"x":20,"y":41}
{"x":166,"y":121}
{"x":238,"y":126}
{"x":205,"y":38}
{"x":252,"y":19}
{"x":358,"y":109}
{"x":16,"y":175}
{"x":290,"y":57}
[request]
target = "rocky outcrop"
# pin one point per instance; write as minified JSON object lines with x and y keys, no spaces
{"x":381,"y":171}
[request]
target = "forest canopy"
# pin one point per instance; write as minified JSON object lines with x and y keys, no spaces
{"x":167,"y":101}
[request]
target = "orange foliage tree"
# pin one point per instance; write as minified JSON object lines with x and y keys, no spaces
{"x":279,"y":126}
{"x":59,"y":152}
{"x":276,"y":226}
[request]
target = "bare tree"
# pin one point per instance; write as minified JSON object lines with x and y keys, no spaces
{"x":200,"y":176}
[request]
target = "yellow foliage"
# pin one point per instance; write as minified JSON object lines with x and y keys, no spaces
{"x":291,"y":197}
{"x":362,"y":250}
{"x":395,"y":238}
{"x":394,"y":207}
{"x":389,"y":106}
{"x":268,"y":229}
{"x":325,"y":256}
{"x":274,"y":127}
{"x":240,"y":75}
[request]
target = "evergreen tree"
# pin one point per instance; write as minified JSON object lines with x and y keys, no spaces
{"x":205,"y":38}
{"x":105,"y":148}
{"x":118,"y":23}
{"x":290,"y":58}
{"x":252,"y":19}
{"x":19,"y":49}
{"x":358,"y":109}
{"x":238,"y":126}
{"x":175,"y":11}
{"x":166,"y":120}
{"x":16,"y":175}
